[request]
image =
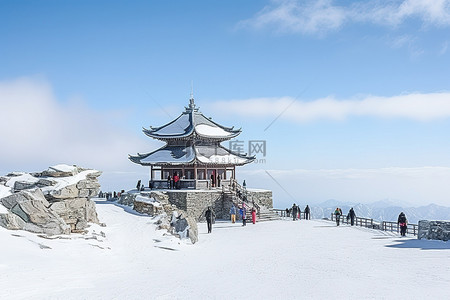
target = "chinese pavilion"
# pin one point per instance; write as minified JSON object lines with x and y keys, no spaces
{"x":193,"y":151}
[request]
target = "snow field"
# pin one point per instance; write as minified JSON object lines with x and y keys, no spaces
{"x":270,"y":260}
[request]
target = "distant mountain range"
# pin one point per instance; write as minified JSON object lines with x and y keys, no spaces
{"x":382,"y":211}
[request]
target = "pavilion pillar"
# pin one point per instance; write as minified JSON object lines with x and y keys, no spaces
{"x":151,"y":173}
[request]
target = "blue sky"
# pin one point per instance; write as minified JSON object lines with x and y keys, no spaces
{"x":356,"y":93}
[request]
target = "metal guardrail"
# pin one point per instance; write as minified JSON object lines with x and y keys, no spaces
{"x":394,"y":227}
{"x":283,"y":213}
{"x":384,"y":225}
{"x":362,"y":222}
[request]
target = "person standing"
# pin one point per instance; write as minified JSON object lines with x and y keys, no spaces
{"x":169,"y":182}
{"x":138,"y":185}
{"x":294,"y":212}
{"x":403,"y":223}
{"x":219,"y":178}
{"x":176,"y":180}
{"x":352,"y":216}
{"x":338,"y":214}
{"x":307,"y":211}
{"x":209,"y":214}
{"x":253,"y":215}
{"x":243,"y":212}
{"x":233,"y":213}
{"x":212,"y":180}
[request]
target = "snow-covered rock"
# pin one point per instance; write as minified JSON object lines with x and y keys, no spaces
{"x":34,"y":211}
{"x":55,"y":201}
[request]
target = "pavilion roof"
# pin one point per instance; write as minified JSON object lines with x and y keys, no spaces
{"x":191,"y":154}
{"x":192,"y":122}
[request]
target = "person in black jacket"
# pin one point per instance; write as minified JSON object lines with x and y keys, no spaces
{"x":352,"y":216}
{"x":294,"y":212}
{"x":403,"y":223}
{"x":307,"y":213}
{"x":209,"y":214}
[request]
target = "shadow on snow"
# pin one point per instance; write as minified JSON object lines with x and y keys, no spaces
{"x":421,"y":244}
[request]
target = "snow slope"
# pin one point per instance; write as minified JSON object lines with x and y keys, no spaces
{"x":270,"y":260}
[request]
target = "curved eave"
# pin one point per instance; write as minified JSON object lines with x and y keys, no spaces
{"x":189,"y":136}
{"x":180,"y":127}
{"x":233,"y":134}
{"x":167,"y":137}
{"x":166,"y":155}
{"x":221,"y":156}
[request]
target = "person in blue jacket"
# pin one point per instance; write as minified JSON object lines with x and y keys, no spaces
{"x":243,"y":212}
{"x":233,"y":213}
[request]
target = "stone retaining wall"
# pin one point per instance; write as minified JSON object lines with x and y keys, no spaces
{"x":434,"y":230}
{"x":195,"y":202}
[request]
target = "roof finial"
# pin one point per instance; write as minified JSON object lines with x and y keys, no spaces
{"x":191,"y":100}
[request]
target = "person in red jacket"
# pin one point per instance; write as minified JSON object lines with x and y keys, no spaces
{"x":176,"y":180}
{"x":253,"y":215}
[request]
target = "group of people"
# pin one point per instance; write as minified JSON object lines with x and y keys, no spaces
{"x":173,"y":183}
{"x":210,"y":215}
{"x":401,"y":221}
{"x":110,"y":195}
{"x":296,"y":212}
{"x":215,"y":181}
{"x":351,"y":216}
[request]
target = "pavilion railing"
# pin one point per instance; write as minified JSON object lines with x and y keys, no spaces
{"x":241,"y":193}
{"x":182,"y":184}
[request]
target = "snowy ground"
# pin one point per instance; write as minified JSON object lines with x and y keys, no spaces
{"x":270,"y":260}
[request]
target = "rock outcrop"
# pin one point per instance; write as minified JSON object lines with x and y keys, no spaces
{"x":55,"y":201}
{"x":155,"y":203}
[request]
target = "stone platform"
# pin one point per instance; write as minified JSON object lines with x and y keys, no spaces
{"x":195,"y":201}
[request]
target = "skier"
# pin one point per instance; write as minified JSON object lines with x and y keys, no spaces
{"x":338,"y":214}
{"x":233,"y":213}
{"x":352,"y":216}
{"x":403,"y":222}
{"x":209,"y":214}
{"x":253,"y":215}
{"x":307,"y":211}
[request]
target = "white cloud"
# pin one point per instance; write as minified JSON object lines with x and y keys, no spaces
{"x":415,"y":186}
{"x":38,"y":131}
{"x":315,"y":16}
{"x":419,"y":107}
{"x":312,"y":17}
